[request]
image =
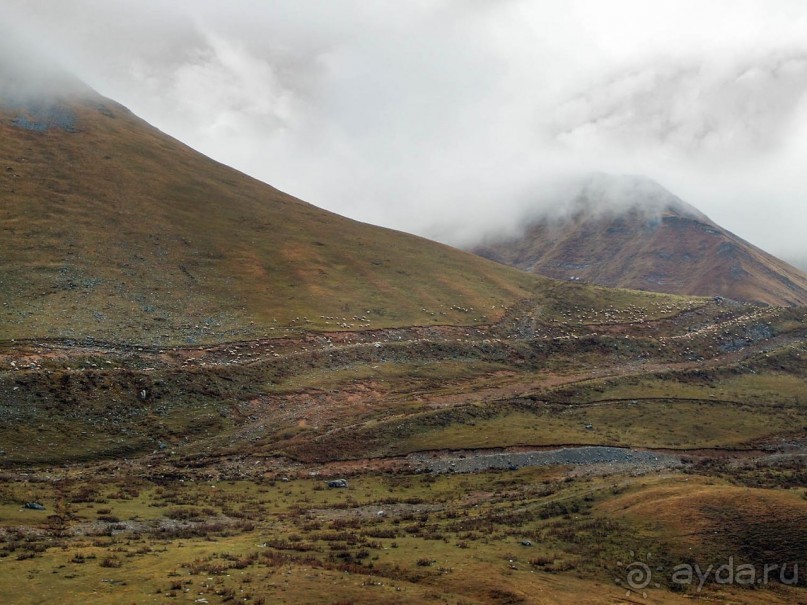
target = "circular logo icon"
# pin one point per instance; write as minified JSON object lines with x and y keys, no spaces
{"x":639,"y":576}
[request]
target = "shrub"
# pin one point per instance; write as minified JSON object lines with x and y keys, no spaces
{"x":111,"y":562}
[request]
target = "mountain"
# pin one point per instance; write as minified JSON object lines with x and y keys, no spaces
{"x":113,"y":230}
{"x":630,"y":232}
{"x":382,"y":462}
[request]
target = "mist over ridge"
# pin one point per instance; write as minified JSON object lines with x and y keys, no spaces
{"x":453,"y":118}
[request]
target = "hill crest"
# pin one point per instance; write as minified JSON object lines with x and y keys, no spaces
{"x":630,"y":232}
{"x":113,"y":230}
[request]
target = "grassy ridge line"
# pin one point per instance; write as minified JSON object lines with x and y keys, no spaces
{"x":118,"y":232}
{"x":679,"y":251}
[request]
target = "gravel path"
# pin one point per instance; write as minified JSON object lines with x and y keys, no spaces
{"x":472,"y":462}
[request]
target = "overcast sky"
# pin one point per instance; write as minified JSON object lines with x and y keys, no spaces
{"x":449,"y":117}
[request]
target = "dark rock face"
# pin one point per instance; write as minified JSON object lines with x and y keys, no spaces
{"x":41,"y":117}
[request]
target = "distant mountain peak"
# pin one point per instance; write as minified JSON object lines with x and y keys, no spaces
{"x":36,"y":93}
{"x":620,"y":193}
{"x":628,"y":231}
{"x":28,"y":75}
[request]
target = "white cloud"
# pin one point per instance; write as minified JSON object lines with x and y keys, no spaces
{"x":449,"y":117}
{"x":709,"y":109}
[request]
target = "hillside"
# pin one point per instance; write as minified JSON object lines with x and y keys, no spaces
{"x":214,"y":392}
{"x":631,"y":233}
{"x":115,"y":231}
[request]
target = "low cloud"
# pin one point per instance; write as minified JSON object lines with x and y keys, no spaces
{"x":716,"y":111}
{"x":30,"y":74}
{"x":452,"y":118}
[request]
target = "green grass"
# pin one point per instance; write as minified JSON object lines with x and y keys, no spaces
{"x":653,"y":424}
{"x":450,"y":538}
{"x":120,"y":233}
{"x":749,"y":389}
{"x":401,"y":376}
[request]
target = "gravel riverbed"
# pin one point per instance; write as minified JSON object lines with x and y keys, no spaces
{"x":472,"y":462}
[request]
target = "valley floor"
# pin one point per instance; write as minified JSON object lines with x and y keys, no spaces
{"x":564,"y":455}
{"x":580,"y":530}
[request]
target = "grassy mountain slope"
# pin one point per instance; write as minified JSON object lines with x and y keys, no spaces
{"x":649,"y":240}
{"x":187,"y":472}
{"x":112,"y":229}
